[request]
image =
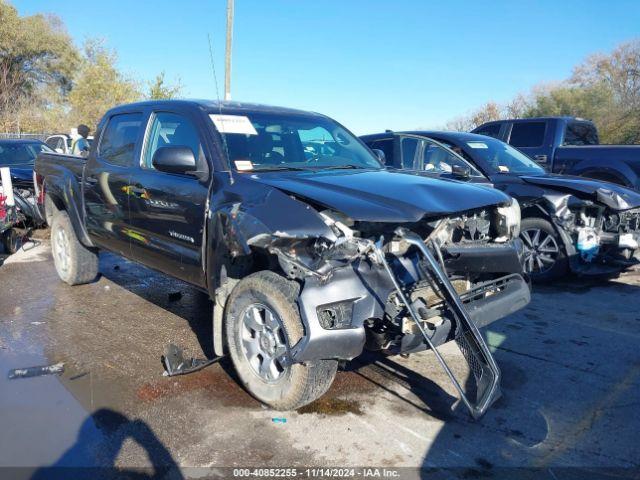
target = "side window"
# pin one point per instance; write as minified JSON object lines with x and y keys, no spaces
{"x":386,"y":145}
{"x":118,"y":141}
{"x":408,"y":148}
{"x":580,"y":133}
{"x":53,"y":142}
{"x":491,"y":130}
{"x":527,"y":134}
{"x":170,"y":130}
{"x":439,"y":159}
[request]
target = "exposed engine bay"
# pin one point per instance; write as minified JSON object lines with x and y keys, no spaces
{"x":406,"y":288}
{"x":18,"y":211}
{"x":598,"y":236}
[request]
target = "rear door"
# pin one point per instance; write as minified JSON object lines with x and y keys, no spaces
{"x":106,"y":181}
{"x":167,"y":210}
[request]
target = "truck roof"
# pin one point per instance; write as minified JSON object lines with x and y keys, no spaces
{"x":530,"y":119}
{"x":228,"y":107}
{"x":465,"y":136}
{"x":20,"y":140}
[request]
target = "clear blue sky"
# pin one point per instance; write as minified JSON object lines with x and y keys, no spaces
{"x":370,"y":64}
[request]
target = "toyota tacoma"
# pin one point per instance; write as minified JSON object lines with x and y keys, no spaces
{"x":310,"y":249}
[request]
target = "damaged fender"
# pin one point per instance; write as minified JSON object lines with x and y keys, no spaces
{"x":252,"y":217}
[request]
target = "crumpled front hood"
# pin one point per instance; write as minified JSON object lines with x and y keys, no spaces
{"x":383,"y":196}
{"x":613,"y":196}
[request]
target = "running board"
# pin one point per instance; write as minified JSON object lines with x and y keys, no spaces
{"x":468,"y":337}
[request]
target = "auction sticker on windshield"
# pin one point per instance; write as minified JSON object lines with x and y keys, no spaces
{"x":243,"y":165}
{"x":477,"y":144}
{"x":233,"y":124}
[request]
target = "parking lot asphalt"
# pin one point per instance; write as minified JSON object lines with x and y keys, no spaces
{"x":570,"y":363}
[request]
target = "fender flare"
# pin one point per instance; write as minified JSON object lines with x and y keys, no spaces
{"x":64,"y":199}
{"x":625,"y":178}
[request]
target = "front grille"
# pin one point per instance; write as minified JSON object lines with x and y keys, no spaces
{"x":470,"y":354}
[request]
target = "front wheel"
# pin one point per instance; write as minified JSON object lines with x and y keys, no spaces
{"x":262,"y":323}
{"x":75,"y":263}
{"x":544,"y":256}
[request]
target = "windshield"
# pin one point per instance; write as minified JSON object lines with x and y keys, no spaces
{"x":20,"y":153}
{"x":498,"y":157}
{"x":265,"y":141}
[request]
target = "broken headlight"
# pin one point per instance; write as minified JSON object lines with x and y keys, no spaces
{"x":508,"y":222}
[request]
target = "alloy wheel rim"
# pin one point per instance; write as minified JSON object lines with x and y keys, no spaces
{"x":61,"y":243}
{"x":264,"y":342}
{"x":541,"y":250}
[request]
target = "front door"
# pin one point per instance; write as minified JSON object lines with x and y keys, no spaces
{"x":106,"y":182}
{"x":167,"y":211}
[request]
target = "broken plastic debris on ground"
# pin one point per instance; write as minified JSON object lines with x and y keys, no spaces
{"x":38,"y":371}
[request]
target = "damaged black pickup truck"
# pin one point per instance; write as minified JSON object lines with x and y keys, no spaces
{"x":309,"y":248}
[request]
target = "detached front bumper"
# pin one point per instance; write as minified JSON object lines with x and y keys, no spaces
{"x":486,"y":258}
{"x":484,"y":304}
{"x":360,"y":292}
{"x":513,"y":294}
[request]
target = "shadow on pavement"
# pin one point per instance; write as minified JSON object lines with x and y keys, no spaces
{"x":100,"y":440}
{"x":565,"y":410}
{"x":175,"y":296}
{"x":383,"y":372}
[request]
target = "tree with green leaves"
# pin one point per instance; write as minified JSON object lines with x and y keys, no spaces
{"x":160,"y":90}
{"x":604,"y":88}
{"x":98,"y":86}
{"x":37,"y":57}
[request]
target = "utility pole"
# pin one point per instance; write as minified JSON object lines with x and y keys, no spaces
{"x":227,"y":54}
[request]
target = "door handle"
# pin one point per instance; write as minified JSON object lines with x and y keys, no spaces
{"x":90,"y":180}
{"x":137,"y":190}
{"x":540,"y":158}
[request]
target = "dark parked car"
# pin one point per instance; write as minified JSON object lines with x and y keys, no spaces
{"x":19,"y":156}
{"x":308,"y":246}
{"x":587,"y":226}
{"x":569,"y":145}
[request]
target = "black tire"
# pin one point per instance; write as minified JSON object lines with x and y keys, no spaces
{"x":296,"y":385}
{"x":80,"y":264}
{"x":560,"y":266}
{"x":11,"y":241}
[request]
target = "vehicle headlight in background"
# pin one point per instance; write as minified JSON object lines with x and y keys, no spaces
{"x":509,"y":221}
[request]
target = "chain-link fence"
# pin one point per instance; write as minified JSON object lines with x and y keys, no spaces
{"x":25,"y":136}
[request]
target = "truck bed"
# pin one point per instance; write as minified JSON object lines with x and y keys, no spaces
{"x":63,"y":174}
{"x":569,"y":159}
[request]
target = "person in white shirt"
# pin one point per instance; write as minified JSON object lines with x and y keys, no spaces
{"x":81,"y":145}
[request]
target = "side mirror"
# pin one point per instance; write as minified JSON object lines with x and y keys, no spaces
{"x":460,"y":171}
{"x":174,"y":160}
{"x":380,"y":155}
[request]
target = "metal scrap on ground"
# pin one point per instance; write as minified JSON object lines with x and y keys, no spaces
{"x":28,"y":372}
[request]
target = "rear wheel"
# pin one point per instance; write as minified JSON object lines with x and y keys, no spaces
{"x":75,"y":263}
{"x":262,"y":323}
{"x":544,"y":257}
